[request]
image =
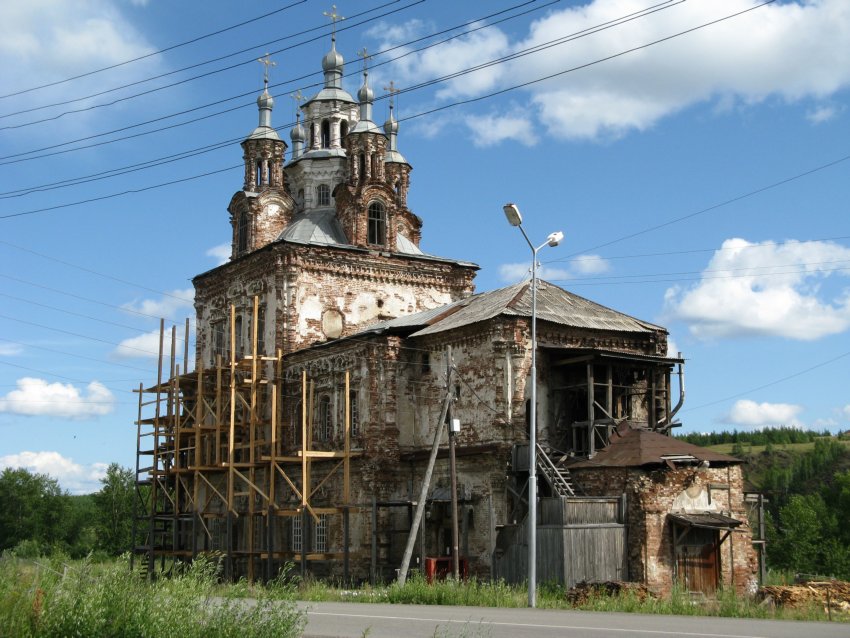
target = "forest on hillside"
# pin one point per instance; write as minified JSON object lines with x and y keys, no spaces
{"x":805,"y":477}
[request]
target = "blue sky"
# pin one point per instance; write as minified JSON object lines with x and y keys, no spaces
{"x":701,"y":182}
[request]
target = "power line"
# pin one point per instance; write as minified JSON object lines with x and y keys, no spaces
{"x":454,"y":104}
{"x":152,"y":54}
{"x":93,"y":272}
{"x":278,"y":85}
{"x":771,"y":383}
{"x":87,"y":299}
{"x":79,"y":356}
{"x":196,"y":77}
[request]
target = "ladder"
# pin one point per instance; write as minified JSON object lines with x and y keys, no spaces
{"x":554,"y":471}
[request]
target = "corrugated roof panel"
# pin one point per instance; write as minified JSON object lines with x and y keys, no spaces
{"x":554,"y":304}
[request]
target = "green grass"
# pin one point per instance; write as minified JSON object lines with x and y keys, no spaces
{"x":57,"y":597}
{"x":799,"y":448}
{"x":499,"y":594}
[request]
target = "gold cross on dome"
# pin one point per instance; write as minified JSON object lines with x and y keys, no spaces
{"x":266,"y":61}
{"x":298,"y":97}
{"x":334,"y":16}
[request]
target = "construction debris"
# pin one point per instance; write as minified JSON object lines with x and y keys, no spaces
{"x":584,"y":591}
{"x":834,"y":595}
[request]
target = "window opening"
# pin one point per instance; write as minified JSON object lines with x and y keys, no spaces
{"x":343,"y":128}
{"x":362,"y":167}
{"x":354,"y":413}
{"x":258,"y":180}
{"x":377,"y":226}
{"x":323,"y":194}
{"x":238,"y":344}
{"x":326,"y":134}
{"x":242,"y":233}
{"x":297,"y":533}
{"x":321,"y":535}
{"x":324,"y":425}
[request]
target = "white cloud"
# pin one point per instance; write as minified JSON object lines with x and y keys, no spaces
{"x":37,"y":397}
{"x":146,"y":346}
{"x":590,"y":264}
{"x":220,"y":253}
{"x":44,"y":41}
{"x":75,"y":478}
{"x":10,"y":349}
{"x":672,"y":347}
{"x":489,"y":130}
{"x":752,"y":414}
{"x":791,"y":51}
{"x":581,"y":265}
{"x":821,"y":114}
{"x":766,"y":288}
{"x":166,"y":306}
{"x":845,"y":411}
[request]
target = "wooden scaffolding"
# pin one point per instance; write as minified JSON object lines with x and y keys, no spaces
{"x":219,"y":471}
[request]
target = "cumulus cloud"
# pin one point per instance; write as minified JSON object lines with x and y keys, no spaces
{"x":581,"y":265}
{"x":672,"y":347}
{"x":76,"y":478}
{"x":166,"y":306}
{"x":751,"y":414}
{"x":37,"y":397}
{"x":489,"y":130}
{"x":146,"y":346}
{"x":220,"y":253}
{"x":821,"y":114}
{"x":42,"y":41}
{"x":791,"y":51}
{"x":766,"y":288}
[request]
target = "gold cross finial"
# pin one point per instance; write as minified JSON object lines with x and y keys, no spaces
{"x":392,"y":89}
{"x":334,"y":16}
{"x":298,"y":97}
{"x":266,"y":61}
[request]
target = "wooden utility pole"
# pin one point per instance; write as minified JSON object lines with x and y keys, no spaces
{"x":453,"y":471}
{"x":426,"y":481}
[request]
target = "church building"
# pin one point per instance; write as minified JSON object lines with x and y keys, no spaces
{"x":331,"y":351}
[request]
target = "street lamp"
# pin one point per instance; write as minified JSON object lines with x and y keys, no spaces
{"x":515,"y":219}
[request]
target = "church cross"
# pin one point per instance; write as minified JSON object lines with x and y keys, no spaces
{"x":363,"y":53}
{"x":392,"y":89}
{"x":334,"y":16}
{"x":266,"y":61}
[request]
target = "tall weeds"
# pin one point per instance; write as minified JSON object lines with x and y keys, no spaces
{"x":54,"y":597}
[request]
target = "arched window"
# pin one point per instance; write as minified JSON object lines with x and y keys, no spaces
{"x":373,"y":158}
{"x":312,"y":142}
{"x":242,"y":233}
{"x":238,"y":344}
{"x":324,"y":424}
{"x":323,"y":195}
{"x":258,"y":178}
{"x":343,"y":128}
{"x":326,"y":134}
{"x":377,"y":224}
{"x":362,"y":167}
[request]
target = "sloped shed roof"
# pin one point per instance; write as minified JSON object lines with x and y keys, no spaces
{"x":636,"y":447}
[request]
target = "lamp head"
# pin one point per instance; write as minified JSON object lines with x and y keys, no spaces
{"x":513,"y":214}
{"x":555,"y":238}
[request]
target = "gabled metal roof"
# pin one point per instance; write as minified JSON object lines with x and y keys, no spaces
{"x":554,"y":304}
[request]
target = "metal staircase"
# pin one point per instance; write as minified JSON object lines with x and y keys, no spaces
{"x":553,"y":470}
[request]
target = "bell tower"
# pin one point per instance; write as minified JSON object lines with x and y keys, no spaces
{"x":263,"y":207}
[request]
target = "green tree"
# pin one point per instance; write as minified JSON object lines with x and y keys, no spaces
{"x":32,"y":508}
{"x":114,"y":510}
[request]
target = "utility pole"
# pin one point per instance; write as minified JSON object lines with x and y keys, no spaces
{"x":454,"y":428}
{"x":426,"y":481}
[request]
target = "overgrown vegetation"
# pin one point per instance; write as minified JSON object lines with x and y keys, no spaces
{"x":551,"y":596}
{"x":58,"y":597}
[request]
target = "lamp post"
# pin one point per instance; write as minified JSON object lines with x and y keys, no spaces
{"x":515,"y":219}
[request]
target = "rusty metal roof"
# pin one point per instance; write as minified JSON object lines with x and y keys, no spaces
{"x":637,"y":447}
{"x":554,"y":304}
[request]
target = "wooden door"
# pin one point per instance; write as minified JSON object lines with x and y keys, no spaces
{"x":697,"y":561}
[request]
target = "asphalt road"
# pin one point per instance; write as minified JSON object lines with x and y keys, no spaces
{"x":359,"y":620}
